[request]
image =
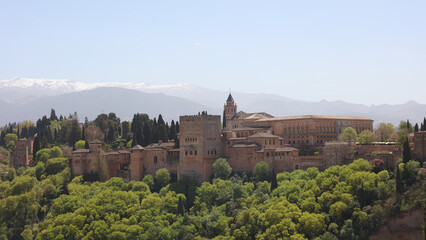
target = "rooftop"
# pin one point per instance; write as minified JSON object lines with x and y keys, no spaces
{"x":263,"y":134}
{"x":312,"y":117}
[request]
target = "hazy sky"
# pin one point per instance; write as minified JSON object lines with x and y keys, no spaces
{"x":369,"y":52}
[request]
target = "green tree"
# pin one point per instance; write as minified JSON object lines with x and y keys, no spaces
{"x":80,"y":144}
{"x":162,"y":177}
{"x":348,"y":135}
{"x":10,"y":140}
{"x":261,"y":171}
{"x":221,"y":169}
{"x":312,"y":224}
{"x":366,"y":137}
{"x":385,"y":132}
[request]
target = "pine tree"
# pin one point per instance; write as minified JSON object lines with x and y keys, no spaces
{"x":406,"y":153}
{"x":274,"y":183}
{"x":224,"y":120}
{"x":180,"y":206}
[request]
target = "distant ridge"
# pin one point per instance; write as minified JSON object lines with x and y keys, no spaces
{"x":90,"y":103}
{"x":23,"y":97}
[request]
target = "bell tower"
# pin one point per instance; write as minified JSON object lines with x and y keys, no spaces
{"x":230,"y":108}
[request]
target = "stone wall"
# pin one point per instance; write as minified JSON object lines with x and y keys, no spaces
{"x":420,"y":145}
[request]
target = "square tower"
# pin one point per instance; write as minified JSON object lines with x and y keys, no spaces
{"x":200,"y":145}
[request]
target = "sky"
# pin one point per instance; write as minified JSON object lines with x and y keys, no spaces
{"x":369,"y":52}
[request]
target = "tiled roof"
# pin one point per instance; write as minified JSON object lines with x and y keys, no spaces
{"x":312,"y":117}
{"x":81,"y":151}
{"x":137,"y":147}
{"x":263,"y":134}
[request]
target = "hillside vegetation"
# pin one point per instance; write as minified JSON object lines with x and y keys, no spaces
{"x":343,"y":202}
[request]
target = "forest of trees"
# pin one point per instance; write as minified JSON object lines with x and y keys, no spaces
{"x":57,"y":131}
{"x":343,"y":202}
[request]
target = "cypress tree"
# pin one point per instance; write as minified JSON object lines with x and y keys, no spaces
{"x":110,"y":137}
{"x":36,"y":146}
{"x":416,"y":128}
{"x":83,"y":134}
{"x":2,"y":139}
{"x":177,"y":127}
{"x":18,"y":133}
{"x":424,"y":124}
{"x":399,"y":186}
{"x":406,"y":153}
{"x":86,"y":144}
{"x":172,"y":132}
{"x":180,"y":206}
{"x":224,"y":119}
{"x":274,"y":183}
{"x":422,"y":127}
{"x":134,"y":141}
{"x":53,"y":115}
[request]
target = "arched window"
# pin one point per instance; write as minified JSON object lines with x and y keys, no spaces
{"x":155,"y":159}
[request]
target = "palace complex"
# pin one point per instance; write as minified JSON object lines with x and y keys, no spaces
{"x":244,"y":139}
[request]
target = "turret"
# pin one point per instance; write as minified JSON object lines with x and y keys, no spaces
{"x":230,"y":107}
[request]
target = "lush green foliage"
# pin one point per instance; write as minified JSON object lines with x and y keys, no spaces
{"x":348,"y":135}
{"x":343,"y":201}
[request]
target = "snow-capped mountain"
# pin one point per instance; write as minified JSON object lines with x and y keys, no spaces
{"x":23,"y":90}
{"x":26,"y":98}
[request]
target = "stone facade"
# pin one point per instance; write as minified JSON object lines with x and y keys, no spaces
{"x":248,"y":139}
{"x":200,"y":145}
{"x":86,"y":161}
{"x":309,"y":131}
{"x":21,"y":152}
{"x":339,"y":153}
{"x":420,"y":145}
{"x":245,"y":152}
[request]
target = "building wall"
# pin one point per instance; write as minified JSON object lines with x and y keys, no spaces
{"x":156,"y":159}
{"x":200,"y":145}
{"x":21,"y":151}
{"x":339,"y":153}
{"x":420,"y":145}
{"x":304,"y":132}
{"x":118,"y":164}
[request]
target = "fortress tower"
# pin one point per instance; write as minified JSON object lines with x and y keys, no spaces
{"x":200,"y":145}
{"x":230,"y":108}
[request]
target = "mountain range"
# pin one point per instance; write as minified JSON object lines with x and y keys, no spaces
{"x":29,"y":99}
